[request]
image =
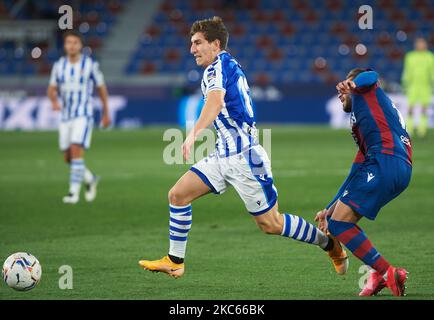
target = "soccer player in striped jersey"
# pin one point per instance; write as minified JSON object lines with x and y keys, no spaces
{"x":238,"y":160}
{"x":72,"y":80}
{"x":380,"y":172}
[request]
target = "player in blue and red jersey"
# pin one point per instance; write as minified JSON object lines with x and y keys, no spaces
{"x":380,"y":172}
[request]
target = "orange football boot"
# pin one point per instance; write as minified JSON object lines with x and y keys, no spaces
{"x":164,"y":265}
{"x":338,"y":256}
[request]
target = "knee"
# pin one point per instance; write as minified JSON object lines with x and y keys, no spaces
{"x":176,"y":198}
{"x":67,"y":157}
{"x":76,"y":151}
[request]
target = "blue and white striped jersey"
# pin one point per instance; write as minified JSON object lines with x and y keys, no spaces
{"x":235,"y":124}
{"x":75,"y":82}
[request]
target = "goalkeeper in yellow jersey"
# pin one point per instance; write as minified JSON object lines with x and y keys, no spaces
{"x":418,"y":83}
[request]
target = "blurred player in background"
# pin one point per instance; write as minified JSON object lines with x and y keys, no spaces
{"x":380,"y":172}
{"x":418,"y":83}
{"x":72,"y":80}
{"x":239,"y":160}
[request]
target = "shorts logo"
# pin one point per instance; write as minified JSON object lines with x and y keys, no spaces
{"x":262,"y":177}
{"x":370,"y":176}
{"x":345,"y":193}
{"x":258,"y":202}
{"x":353,"y":119}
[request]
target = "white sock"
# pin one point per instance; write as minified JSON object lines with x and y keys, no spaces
{"x":88,"y":176}
{"x":76,"y":175}
{"x":179,"y":226}
{"x":299,"y":229}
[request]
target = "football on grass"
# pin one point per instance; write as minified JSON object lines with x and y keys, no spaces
{"x":21,"y":271}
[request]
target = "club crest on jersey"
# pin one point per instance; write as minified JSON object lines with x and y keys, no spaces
{"x":405,"y":140}
{"x":211,"y":74}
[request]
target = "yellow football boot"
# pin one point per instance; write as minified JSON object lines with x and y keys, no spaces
{"x":163,"y":265}
{"x":338,"y":256}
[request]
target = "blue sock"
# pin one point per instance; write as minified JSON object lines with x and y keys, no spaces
{"x":299,"y":229}
{"x":76,"y":175}
{"x":179,"y":226}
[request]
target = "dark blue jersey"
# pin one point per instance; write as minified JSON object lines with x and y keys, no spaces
{"x":377,"y":125}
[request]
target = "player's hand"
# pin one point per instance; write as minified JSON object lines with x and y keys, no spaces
{"x":321,"y":219}
{"x":56,"y":106}
{"x":105,"y":121}
{"x":186,"y":146}
{"x":345,"y":87}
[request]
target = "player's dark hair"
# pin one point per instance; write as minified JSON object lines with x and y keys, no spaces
{"x":212,"y":29}
{"x":73,"y":33}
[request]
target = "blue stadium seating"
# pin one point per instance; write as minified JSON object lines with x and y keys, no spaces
{"x":95,"y":17}
{"x":297,"y":32}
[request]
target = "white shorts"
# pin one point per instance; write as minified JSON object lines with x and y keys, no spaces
{"x":250,"y":174}
{"x":75,"y":131}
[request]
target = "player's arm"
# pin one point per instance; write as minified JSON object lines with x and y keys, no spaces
{"x":52,"y":89}
{"x":98,"y":77}
{"x":52,"y":95}
{"x":365,"y":79}
{"x":103,"y":95}
{"x":213,"y":105}
{"x":361,"y":81}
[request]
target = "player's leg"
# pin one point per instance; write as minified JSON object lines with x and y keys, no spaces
{"x":252,"y":178}
{"x":80,"y":132}
{"x":65,"y":146}
{"x":76,"y":174}
{"x":89,"y":178}
{"x":187,"y":189}
{"x":422,"y":128}
{"x":201,"y":179}
{"x":67,"y":156}
{"x":413,"y":99}
{"x":343,"y":226}
{"x":297,"y":228}
{"x":410,"y":120}
{"x":290,"y":226}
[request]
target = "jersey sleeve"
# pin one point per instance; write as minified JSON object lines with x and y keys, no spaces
{"x":97,"y":75}
{"x":53,"y":77}
{"x":366,"y":79}
{"x":215,"y":78}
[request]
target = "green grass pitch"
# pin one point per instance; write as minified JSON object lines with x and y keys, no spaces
{"x":227,"y":256}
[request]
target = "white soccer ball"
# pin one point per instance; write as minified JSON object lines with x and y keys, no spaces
{"x":21,"y":271}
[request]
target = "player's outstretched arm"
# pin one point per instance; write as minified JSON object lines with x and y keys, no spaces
{"x":103,"y":94}
{"x":213,"y":105}
{"x":366,"y":79}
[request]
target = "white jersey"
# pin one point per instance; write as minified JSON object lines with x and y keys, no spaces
{"x":235,"y":124}
{"x":75,"y":82}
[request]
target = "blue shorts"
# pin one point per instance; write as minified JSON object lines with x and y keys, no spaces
{"x":378,"y":180}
